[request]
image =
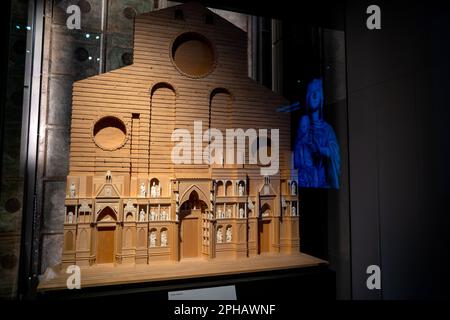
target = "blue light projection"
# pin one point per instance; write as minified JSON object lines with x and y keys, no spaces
{"x":316,"y":153}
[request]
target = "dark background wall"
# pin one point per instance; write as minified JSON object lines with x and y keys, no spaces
{"x":399,"y":148}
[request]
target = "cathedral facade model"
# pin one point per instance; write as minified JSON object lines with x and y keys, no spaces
{"x":127,"y":200}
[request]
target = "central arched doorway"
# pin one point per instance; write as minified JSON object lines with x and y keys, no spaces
{"x":264,"y":229}
{"x":190,"y":232}
{"x":106,"y":230}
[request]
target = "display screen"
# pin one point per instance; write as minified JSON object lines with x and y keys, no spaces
{"x":316,"y":154}
{"x":316,"y":148}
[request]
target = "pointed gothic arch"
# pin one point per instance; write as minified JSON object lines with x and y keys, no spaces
{"x":201,"y":195}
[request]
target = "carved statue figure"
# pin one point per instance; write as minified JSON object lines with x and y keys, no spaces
{"x":153,"y":239}
{"x":142,"y":216}
{"x":152,"y":215}
{"x":154,"y":192}
{"x":241,"y":189}
{"x":70,"y":217}
{"x":283,"y":202}
{"x":164,"y":238}
{"x":143,"y":190}
{"x":229,"y":234}
{"x":73,"y":190}
{"x":266,"y":189}
{"x":219,"y":235}
{"x":241,"y":213}
{"x":294,"y":188}
{"x":250,"y":204}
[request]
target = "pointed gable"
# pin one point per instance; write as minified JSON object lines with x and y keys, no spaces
{"x":109,"y":191}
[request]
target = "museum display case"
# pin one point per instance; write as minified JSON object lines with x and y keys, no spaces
{"x":161,"y":150}
{"x":181,"y":141}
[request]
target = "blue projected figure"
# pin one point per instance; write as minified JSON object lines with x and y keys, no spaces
{"x":316,"y":154}
{"x":303,"y":157}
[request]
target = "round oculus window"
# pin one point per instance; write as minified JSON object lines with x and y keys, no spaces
{"x":109,"y":133}
{"x":193,"y":54}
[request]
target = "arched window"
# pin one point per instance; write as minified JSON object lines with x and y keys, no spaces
{"x":164,"y":237}
{"x":107,"y":214}
{"x":162,"y":110}
{"x":266,"y":210}
{"x":228,"y":188}
{"x":220,"y":189}
{"x":129,"y":217}
{"x":220,"y":115}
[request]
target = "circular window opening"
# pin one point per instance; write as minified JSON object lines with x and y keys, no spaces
{"x":193,"y":54}
{"x":129,"y":13}
{"x":85,"y":6}
{"x":109,"y":133}
{"x":81,"y":54}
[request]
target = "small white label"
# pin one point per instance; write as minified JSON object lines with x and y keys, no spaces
{"x":215,"y":293}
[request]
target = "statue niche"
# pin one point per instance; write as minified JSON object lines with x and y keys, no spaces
{"x":155,"y":189}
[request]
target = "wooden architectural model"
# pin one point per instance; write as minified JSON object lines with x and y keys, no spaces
{"x":127,"y":201}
